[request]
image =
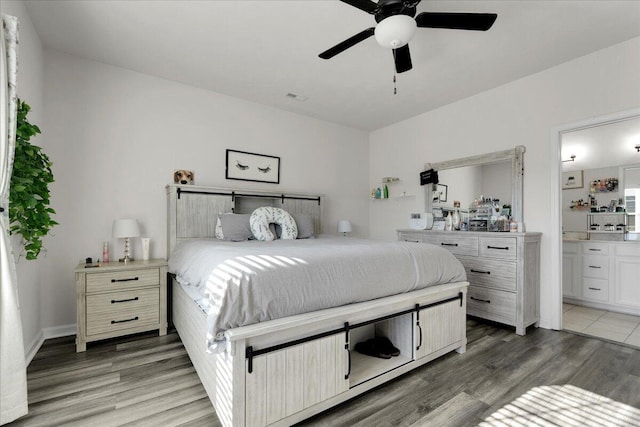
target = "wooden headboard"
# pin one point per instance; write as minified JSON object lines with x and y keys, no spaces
{"x":192,"y":210}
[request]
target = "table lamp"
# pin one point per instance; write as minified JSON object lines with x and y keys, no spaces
{"x":344,"y":226}
{"x":125,"y":229}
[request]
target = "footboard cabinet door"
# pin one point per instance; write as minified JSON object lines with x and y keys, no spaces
{"x":439,"y":327}
{"x":287,"y":381}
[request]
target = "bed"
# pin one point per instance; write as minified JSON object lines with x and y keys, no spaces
{"x":274,"y":349}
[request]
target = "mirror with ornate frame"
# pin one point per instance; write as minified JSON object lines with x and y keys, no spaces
{"x":514,"y":157}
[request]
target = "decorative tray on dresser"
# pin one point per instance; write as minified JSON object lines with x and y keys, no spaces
{"x":120,"y":298}
{"x":503,"y":270}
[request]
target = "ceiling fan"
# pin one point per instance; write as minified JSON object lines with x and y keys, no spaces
{"x":396,"y":26}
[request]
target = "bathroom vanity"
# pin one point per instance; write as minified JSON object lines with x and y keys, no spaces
{"x":602,"y":274}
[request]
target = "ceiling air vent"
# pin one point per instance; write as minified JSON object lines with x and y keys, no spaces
{"x":300,"y":98}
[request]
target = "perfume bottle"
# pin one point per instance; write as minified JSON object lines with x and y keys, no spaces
{"x":456,"y":220}
{"x":105,"y":252}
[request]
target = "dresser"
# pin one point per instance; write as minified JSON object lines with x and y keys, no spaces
{"x":503,"y":271}
{"x":120,"y":298}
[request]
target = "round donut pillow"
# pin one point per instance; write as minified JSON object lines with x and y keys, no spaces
{"x":262,"y":217}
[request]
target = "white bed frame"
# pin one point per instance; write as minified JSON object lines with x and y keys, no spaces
{"x":285,"y":370}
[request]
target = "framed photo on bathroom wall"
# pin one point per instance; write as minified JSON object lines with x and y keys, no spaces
{"x":245,"y":166}
{"x":439,"y":193}
{"x":572,"y":179}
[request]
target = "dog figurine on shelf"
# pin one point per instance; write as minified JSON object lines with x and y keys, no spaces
{"x":183,"y":176}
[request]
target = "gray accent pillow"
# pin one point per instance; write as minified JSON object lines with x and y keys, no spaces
{"x":304,"y":223}
{"x":236,"y":227}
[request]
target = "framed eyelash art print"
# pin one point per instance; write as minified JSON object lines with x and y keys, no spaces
{"x":245,"y":166}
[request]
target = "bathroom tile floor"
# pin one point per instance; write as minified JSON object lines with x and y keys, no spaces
{"x":601,"y":323}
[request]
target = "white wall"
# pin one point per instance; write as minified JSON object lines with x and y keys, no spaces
{"x":29,"y":89}
{"x":519,"y":113}
{"x":116,"y":136}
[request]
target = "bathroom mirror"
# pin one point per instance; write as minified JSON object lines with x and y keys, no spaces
{"x":497,"y":175}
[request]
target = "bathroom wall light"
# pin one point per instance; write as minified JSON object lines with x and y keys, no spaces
{"x":572,"y":159}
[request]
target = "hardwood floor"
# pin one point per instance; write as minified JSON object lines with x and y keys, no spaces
{"x":148,"y":380}
{"x":137,"y":380}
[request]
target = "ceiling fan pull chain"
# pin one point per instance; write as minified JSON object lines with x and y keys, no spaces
{"x":395,"y":88}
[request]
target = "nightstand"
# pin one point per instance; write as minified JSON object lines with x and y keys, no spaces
{"x":120,"y":298}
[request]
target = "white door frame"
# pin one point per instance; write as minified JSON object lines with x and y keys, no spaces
{"x":556,"y":200}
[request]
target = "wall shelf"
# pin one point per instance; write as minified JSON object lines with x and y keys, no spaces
{"x":389,"y":179}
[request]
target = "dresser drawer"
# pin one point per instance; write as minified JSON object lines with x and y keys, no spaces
{"x":498,"y":247}
{"x":410,"y":237}
{"x":115,"y":311}
{"x":457,"y":245}
{"x":489,"y":272}
{"x":120,"y":280}
{"x":595,"y":248}
{"x":492,"y":304}
{"x":596,"y":267}
{"x":595,"y":289}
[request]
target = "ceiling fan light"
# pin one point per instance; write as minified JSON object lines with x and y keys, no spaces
{"x":395,"y":31}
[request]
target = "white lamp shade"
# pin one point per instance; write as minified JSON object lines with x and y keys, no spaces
{"x":125,"y":228}
{"x":395,"y":31}
{"x":344,"y":226}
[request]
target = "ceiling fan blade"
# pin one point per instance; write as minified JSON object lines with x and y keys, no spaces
{"x":351,"y":41}
{"x":402,"y":58}
{"x":366,"y":5}
{"x":456,"y":21}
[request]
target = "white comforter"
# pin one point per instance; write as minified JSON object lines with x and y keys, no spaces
{"x":249,"y":282}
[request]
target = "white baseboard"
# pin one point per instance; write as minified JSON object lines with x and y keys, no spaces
{"x":44,"y":334}
{"x":33,"y":347}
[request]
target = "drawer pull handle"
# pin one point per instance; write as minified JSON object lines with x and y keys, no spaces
{"x":412,"y":241}
{"x":503,"y":248}
{"x":481,"y":300}
{"x":595,"y":250}
{"x":480,"y":271}
{"x":594,"y":266}
{"x":115,"y":301}
{"x":124,"y":280}
{"x":123,"y":321}
{"x":595,"y":289}
{"x":448,"y":244}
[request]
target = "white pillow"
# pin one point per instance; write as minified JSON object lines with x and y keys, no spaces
{"x":218,"y":232}
{"x":262,"y":217}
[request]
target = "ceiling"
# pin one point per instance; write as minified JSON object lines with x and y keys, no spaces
{"x":261,"y":50}
{"x":610,"y":144}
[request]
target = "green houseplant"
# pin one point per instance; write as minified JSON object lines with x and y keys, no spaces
{"x":29,"y":211}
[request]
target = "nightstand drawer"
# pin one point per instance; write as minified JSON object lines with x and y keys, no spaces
{"x":118,"y":280}
{"x":116,"y":311}
{"x":492,"y":304}
{"x":491,"y":273}
{"x":456,"y":244}
{"x":498,"y":247}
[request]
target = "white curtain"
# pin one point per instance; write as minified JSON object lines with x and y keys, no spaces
{"x":13,"y":370}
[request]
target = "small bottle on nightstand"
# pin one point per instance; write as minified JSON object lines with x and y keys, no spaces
{"x":105,"y":252}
